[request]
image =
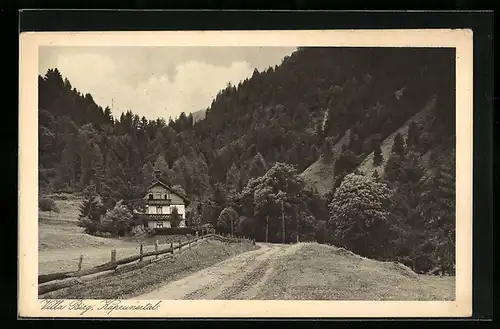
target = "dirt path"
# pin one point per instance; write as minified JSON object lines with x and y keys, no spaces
{"x":239,"y":277}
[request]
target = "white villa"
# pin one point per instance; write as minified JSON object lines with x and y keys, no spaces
{"x":160,"y":199}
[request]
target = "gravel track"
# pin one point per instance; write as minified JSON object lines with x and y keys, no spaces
{"x":239,"y":277}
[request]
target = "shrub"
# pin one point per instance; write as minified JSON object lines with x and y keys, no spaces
{"x":175,"y":217}
{"x":47,"y":204}
{"x":138,"y":230}
{"x":89,"y":225}
{"x":118,"y":221}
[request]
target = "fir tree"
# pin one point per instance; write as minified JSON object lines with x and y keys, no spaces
{"x":90,"y":210}
{"x":393,"y":170}
{"x":438,"y":206}
{"x":328,"y":150}
{"x":398,"y":146}
{"x":412,"y":140}
{"x":314,"y":153}
{"x":258,"y":166}
{"x":377,"y":155}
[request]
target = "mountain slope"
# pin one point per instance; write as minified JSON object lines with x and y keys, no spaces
{"x":367,"y":166}
{"x":199,"y":115}
{"x":320,"y":174}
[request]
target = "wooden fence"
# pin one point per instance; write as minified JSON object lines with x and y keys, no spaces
{"x":60,"y":280}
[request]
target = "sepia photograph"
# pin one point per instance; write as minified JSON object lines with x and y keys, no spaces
{"x":295,"y":172}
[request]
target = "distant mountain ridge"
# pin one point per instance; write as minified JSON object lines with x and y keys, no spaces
{"x":199,"y":115}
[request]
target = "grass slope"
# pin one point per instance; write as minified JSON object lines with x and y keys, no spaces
{"x":69,"y":207}
{"x":367,"y":165}
{"x":319,"y":175}
{"x":321,"y":272}
{"x":149,"y":278}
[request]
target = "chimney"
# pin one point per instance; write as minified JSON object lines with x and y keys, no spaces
{"x":157,"y":174}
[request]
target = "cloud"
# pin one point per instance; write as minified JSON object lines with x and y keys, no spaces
{"x":192,"y":88}
{"x":156,"y":81}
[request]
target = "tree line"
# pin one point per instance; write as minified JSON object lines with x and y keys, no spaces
{"x":241,"y":164}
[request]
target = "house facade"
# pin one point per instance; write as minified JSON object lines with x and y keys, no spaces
{"x":160,"y":200}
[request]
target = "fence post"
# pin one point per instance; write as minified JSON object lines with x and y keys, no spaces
{"x":141,"y":251}
{"x":156,"y":249}
{"x":113,"y":255}
{"x":172,"y":247}
{"x":80,"y":263}
{"x":197,"y":234}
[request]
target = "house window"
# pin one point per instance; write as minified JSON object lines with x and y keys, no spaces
{"x":159,"y":224}
{"x":167,"y":195}
{"x":158,"y":210}
{"x":150,"y":196}
{"x":157,"y":195}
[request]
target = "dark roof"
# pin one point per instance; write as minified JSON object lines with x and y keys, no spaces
{"x":159,"y":182}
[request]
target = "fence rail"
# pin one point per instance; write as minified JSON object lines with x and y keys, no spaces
{"x":60,"y":280}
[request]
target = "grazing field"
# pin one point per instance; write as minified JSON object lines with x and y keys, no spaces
{"x":61,"y":243}
{"x":129,"y":284}
{"x":69,"y":207}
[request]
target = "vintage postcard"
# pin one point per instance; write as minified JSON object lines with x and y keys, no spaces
{"x":246,"y":174}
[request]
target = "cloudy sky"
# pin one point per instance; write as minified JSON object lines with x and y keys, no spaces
{"x":157,"y":81}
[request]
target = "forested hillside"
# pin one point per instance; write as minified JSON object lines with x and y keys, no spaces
{"x":241,"y":163}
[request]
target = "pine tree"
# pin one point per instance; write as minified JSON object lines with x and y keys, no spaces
{"x":314,"y":153}
{"x":412,"y":140}
{"x":90,"y":210}
{"x":327,"y":150}
{"x":393,"y":170}
{"x":377,"y":155}
{"x":406,"y":202}
{"x":258,"y":166}
{"x":438,"y":206}
{"x":398,"y":147}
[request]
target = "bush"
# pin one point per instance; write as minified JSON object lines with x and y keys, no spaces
{"x":47,"y":204}
{"x":138,"y":230}
{"x":175,"y":217}
{"x":118,"y":221}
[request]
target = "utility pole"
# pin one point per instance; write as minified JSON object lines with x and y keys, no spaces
{"x":297,"y":219}
{"x":283,"y":219}
{"x":267,"y":228}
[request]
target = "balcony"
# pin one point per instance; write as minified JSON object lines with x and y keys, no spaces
{"x":159,"y":202}
{"x":152,"y":217}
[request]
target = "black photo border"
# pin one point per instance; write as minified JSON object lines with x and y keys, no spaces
{"x":480,"y":22}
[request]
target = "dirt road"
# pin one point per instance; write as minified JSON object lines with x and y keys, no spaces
{"x":239,"y":277}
